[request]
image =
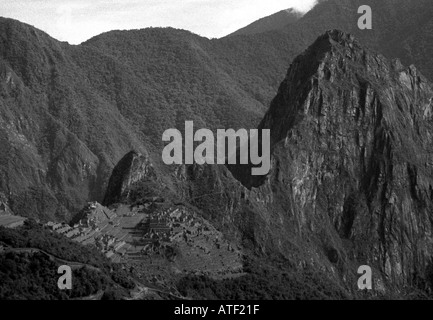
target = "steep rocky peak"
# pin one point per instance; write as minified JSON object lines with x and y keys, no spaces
{"x":337,"y":66}
{"x":339,"y":88}
{"x":133,"y":168}
{"x":351,"y":134}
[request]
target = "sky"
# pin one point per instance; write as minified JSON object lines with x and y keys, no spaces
{"x":78,"y":20}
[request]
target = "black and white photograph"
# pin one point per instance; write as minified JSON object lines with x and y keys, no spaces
{"x":196,"y":151}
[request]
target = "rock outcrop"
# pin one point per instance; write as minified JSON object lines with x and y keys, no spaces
{"x":134,"y":169}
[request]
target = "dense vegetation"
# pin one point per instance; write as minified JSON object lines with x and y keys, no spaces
{"x":264,"y":282}
{"x":279,"y":280}
{"x":32,"y":235}
{"x":34,"y":275}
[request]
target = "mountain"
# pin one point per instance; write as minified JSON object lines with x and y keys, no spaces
{"x":400,"y":27}
{"x":70,"y":113}
{"x":351,"y":179}
{"x":276,"y":21}
{"x":132,"y":169}
{"x":350,"y":182}
{"x":351,"y":138}
{"x":59,"y":132}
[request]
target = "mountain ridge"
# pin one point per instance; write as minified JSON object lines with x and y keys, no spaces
{"x":350,"y":167}
{"x":276,"y":21}
{"x":196,"y":79}
{"x":351,"y":129}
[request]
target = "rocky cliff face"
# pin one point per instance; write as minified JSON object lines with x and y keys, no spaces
{"x":352,"y":135}
{"x":132,"y":170}
{"x":351,"y":180}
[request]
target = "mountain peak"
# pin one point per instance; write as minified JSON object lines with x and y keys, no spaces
{"x":351,"y":140}
{"x":338,"y":36}
{"x":338,"y":78}
{"x":333,"y":38}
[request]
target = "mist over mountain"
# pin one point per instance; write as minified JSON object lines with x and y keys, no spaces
{"x":351,"y":127}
